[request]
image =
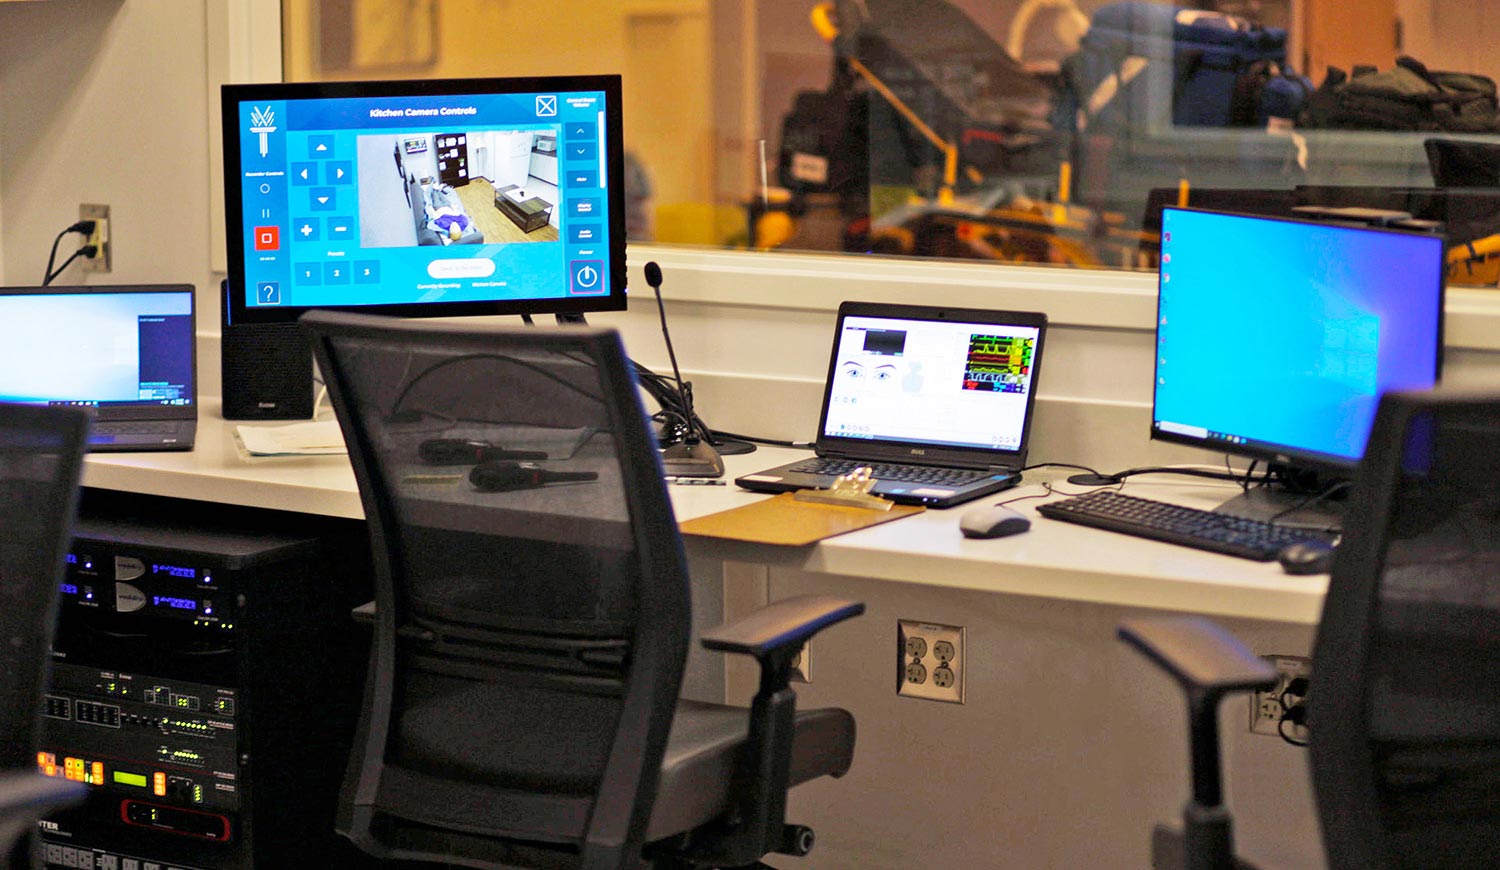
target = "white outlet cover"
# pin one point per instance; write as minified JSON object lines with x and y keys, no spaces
{"x":932,"y":634}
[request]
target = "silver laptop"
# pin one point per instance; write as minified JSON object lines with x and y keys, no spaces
{"x":127,"y":355}
{"x":937,"y":401}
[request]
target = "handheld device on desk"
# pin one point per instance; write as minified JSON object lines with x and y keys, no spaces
{"x":936,"y":401}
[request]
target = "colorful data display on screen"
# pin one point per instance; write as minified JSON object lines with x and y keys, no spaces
{"x":942,"y":383}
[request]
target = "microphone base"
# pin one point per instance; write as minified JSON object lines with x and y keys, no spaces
{"x":692,"y":460}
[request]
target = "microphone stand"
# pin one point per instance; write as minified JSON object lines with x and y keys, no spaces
{"x":693,"y":456}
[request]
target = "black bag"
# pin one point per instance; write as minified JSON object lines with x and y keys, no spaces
{"x":1267,"y":90}
{"x":1407,"y":97}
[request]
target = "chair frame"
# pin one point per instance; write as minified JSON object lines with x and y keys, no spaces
{"x":617,"y":825}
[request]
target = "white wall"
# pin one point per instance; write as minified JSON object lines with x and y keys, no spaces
{"x":106,"y":102}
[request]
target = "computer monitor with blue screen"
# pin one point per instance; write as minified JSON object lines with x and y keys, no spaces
{"x":424,"y":198}
{"x":1275,"y":338}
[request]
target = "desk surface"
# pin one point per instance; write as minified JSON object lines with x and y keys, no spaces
{"x":1054,"y":559}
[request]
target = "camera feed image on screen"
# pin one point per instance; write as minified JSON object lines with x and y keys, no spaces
{"x":946,"y":384}
{"x":417,"y":199}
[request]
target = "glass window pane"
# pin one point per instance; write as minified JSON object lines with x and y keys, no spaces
{"x":1045,"y":131}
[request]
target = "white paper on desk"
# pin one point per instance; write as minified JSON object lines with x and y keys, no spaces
{"x":294,"y":439}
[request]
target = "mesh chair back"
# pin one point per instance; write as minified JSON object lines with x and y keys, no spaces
{"x":41,"y":452}
{"x":531,"y":591}
{"x":1405,"y":709}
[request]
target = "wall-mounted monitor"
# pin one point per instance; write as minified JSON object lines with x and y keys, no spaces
{"x":331,"y":205}
{"x":1275,"y":338}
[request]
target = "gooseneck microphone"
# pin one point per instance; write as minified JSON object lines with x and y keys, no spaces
{"x":693,"y":456}
{"x":505,"y":476}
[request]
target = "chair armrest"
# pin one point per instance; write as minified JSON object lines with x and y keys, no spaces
{"x":1199,"y":654}
{"x":26,"y":796}
{"x":28,"y":791}
{"x":773,"y":635}
{"x":783,"y":625}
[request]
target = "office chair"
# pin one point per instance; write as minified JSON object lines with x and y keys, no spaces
{"x":531,"y":619}
{"x":1403,"y":713}
{"x":41,"y":455}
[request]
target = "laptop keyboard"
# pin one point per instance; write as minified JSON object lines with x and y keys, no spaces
{"x":136,"y":427}
{"x":888,"y":471}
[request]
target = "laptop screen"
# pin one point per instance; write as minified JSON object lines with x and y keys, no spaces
{"x":934,"y":382}
{"x":106,"y":348}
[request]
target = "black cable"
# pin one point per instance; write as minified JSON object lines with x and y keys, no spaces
{"x":1061,"y":465}
{"x":84,"y":226}
{"x":1097,"y":479}
{"x":1295,"y":715}
{"x":756,"y":439}
{"x":423,"y":375}
{"x":85,"y":251}
{"x":1048,"y":489}
{"x":1249,"y":473}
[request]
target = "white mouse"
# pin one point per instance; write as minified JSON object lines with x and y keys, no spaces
{"x":994,"y":521}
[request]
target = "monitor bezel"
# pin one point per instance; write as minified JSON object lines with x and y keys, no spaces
{"x":239,"y":313}
{"x":1287,"y":454}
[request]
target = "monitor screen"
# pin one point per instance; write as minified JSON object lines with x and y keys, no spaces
{"x":939,"y":382}
{"x":97,"y":347}
{"x":424,"y":198}
{"x":1275,"y":338}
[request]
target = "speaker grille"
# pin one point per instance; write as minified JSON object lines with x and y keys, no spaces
{"x":268,"y":372}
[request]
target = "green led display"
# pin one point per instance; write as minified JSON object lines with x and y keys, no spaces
{"x":134,"y":779}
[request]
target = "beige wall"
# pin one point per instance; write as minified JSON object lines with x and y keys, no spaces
{"x":106,"y":101}
{"x":664,"y":49}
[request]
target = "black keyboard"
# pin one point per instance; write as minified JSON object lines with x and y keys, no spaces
{"x":1190,"y":527}
{"x":136,"y":427}
{"x":888,"y":471}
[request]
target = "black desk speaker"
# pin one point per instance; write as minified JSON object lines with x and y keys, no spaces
{"x":267,"y":371}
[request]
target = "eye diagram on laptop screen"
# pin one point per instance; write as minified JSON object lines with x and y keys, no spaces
{"x":940,"y":383}
{"x":999,"y":363}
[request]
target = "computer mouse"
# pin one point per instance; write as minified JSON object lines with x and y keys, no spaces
{"x":1306,"y":557}
{"x":995,"y":521}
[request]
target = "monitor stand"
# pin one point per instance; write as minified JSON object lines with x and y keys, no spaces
{"x":1264,"y":502}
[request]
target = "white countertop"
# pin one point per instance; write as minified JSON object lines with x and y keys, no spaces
{"x":1053,"y":559}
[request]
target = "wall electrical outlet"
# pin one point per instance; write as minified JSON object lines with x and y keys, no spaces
{"x":930,"y":661}
{"x":99,"y":238}
{"x":1268,"y":707}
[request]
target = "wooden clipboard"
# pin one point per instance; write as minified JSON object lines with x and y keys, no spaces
{"x":786,"y":521}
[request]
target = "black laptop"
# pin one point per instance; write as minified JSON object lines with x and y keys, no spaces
{"x":936,"y":401}
{"x":127,"y":355}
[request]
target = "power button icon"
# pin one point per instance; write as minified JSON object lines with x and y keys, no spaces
{"x":588,"y":277}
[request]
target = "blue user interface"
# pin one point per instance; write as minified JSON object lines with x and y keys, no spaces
{"x":1279,"y":336}
{"x":424,"y":199}
{"x":97,"y":349}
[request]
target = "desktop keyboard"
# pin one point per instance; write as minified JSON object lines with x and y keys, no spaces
{"x":1190,"y":527}
{"x":903,"y":473}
